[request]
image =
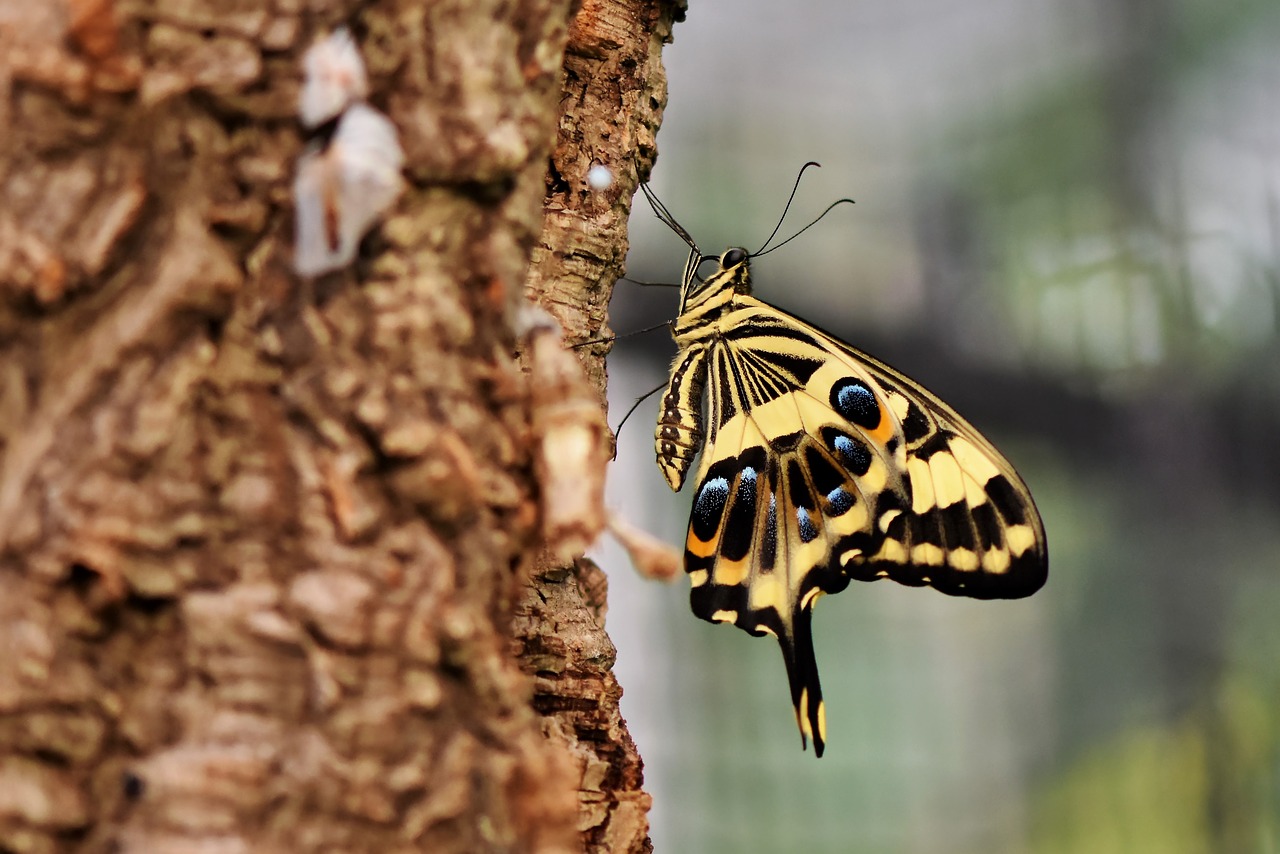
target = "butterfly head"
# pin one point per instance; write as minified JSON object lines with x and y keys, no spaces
{"x":733,"y":270}
{"x":731,"y":277}
{"x":736,"y":264}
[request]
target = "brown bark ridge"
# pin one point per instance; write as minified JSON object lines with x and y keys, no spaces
{"x":264,"y":542}
{"x":614,"y":92}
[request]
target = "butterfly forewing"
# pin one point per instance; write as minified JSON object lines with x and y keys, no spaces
{"x":819,"y":465}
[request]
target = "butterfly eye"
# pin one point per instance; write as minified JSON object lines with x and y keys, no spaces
{"x":733,"y":258}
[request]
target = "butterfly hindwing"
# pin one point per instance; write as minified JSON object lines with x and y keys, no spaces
{"x":757,"y":521}
{"x":820,"y":465}
{"x":962,"y":520}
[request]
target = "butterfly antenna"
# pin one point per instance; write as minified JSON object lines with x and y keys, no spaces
{"x":664,"y":215}
{"x":790,"y":199}
{"x":639,"y":400}
{"x":818,"y":219}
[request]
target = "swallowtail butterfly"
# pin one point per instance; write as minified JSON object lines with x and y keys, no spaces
{"x":821,"y":465}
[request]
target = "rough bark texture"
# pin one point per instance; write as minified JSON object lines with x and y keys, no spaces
{"x":614,"y":91}
{"x":265,"y":544}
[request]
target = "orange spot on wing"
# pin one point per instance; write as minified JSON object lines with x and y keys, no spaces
{"x":698,"y":547}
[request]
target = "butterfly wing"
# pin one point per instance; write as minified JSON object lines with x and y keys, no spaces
{"x":823,"y":465}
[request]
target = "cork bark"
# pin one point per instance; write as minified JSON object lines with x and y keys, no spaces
{"x":272,"y":569}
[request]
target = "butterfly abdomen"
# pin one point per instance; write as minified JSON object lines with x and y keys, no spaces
{"x":678,"y":438}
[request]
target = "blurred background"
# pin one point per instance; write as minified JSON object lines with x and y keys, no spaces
{"x":1068,"y":226}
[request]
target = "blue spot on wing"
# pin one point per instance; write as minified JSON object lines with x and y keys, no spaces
{"x":852,"y":453}
{"x":708,"y":507}
{"x":855,"y":400}
{"x":808,"y":531}
{"x":839,"y":501}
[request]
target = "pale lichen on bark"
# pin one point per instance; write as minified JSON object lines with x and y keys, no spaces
{"x":264,"y":542}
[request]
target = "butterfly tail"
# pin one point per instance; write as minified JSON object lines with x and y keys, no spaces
{"x":802,"y":672}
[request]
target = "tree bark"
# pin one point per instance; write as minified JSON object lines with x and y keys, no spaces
{"x":273,"y":572}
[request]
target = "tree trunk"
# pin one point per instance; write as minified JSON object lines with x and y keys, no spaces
{"x":274,"y":572}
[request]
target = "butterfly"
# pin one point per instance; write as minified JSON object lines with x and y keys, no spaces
{"x":821,"y":465}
